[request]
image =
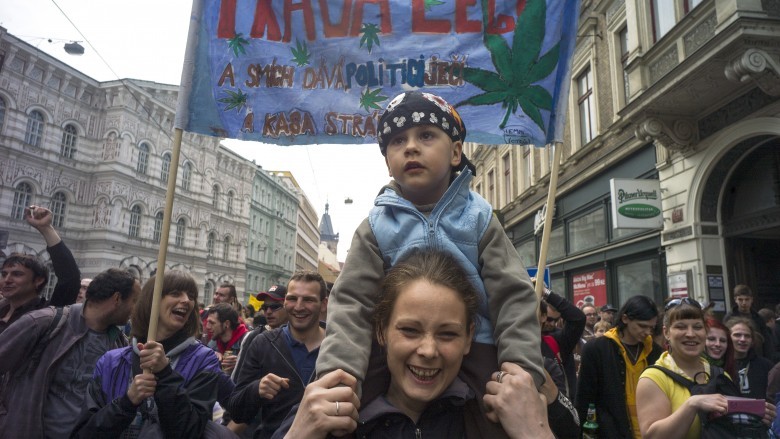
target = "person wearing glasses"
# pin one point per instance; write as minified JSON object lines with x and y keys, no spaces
{"x":274,"y":315}
{"x":666,"y":409}
{"x":562,"y":340}
{"x":611,"y":366}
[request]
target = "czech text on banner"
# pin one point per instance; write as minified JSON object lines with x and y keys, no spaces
{"x":321,"y":71}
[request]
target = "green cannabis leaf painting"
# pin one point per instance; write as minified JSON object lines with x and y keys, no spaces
{"x":370,"y":36}
{"x":371,"y":99}
{"x":300,"y":53}
{"x":237,"y":43}
{"x":234,"y":99}
{"x":518,"y":68}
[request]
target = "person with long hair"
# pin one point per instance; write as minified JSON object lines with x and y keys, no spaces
{"x":752,"y":369}
{"x":665,"y":408}
{"x":610,"y":367}
{"x":719,"y":349}
{"x":166,"y":387}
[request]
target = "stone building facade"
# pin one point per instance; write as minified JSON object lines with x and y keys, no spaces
{"x":685,"y":92}
{"x":308,"y":238}
{"x":98,"y":154}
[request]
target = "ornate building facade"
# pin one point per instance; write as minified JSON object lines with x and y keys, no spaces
{"x":685,"y":92}
{"x":308,"y":238}
{"x":272,"y":241}
{"x":98,"y":154}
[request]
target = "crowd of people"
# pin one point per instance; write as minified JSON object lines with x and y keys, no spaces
{"x":433,"y":329}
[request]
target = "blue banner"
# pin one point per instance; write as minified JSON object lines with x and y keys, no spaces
{"x":321,"y":71}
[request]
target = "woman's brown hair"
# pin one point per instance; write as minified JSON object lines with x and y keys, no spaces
{"x":173,"y":280}
{"x":433,"y":266}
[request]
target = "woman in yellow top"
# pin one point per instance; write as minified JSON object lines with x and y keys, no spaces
{"x":666,"y":409}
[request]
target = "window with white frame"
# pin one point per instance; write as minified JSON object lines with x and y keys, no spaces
{"x":226,"y":248}
{"x":181,"y":227}
{"x":507,"y":164}
{"x":135,"y":221}
{"x":623,"y":46}
{"x":186,"y":176}
{"x":491,"y":187}
{"x":215,"y":197}
{"x":165,"y":170}
{"x":157,"y":230}
{"x":22,"y":199}
{"x":210,"y":244}
{"x":586,"y":103}
{"x":143,"y":159}
{"x":58,"y":205}
{"x":2,"y":113}
{"x":68,"y":145}
{"x":34,"y":133}
{"x":526,"y":160}
{"x":230,"y":196}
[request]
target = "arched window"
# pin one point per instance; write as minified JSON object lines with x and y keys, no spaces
{"x":230,"y":196}
{"x":186,"y":175}
{"x":58,"y":205}
{"x":208,"y":291}
{"x":34,"y":132}
{"x":48,"y":290}
{"x":215,"y":197}
{"x":22,"y":199}
{"x":2,"y":113}
{"x":181,"y":226}
{"x":68,"y":145}
{"x":157,"y":232}
{"x":210,"y":244}
{"x":135,"y":221}
{"x":166,"y":167}
{"x":143,"y":158}
{"x":226,"y":248}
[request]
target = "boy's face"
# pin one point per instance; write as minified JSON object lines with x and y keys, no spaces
{"x":420,"y":160}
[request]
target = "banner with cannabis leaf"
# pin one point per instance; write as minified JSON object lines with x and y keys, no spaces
{"x":303,"y":71}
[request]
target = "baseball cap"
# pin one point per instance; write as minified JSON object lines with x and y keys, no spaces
{"x":608,"y":307}
{"x":275,"y":293}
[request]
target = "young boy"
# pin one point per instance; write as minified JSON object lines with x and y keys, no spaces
{"x":428,"y":204}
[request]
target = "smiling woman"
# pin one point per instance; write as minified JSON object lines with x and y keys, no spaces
{"x":425,"y":322}
{"x":165,"y":388}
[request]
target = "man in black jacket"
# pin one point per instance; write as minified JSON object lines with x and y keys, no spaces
{"x":24,"y":277}
{"x":567,"y":338}
{"x":278,"y":364}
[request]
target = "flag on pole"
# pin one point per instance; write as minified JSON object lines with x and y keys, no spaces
{"x":305,"y":71}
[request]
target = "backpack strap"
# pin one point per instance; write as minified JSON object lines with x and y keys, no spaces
{"x":59,"y":320}
{"x":676,"y":377}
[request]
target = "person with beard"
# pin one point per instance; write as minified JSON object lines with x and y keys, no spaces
{"x":165,"y":388}
{"x":222,"y":322}
{"x":278,"y":364}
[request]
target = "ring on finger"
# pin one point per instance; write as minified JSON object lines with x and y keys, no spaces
{"x":500,"y":376}
{"x":337,"y":408}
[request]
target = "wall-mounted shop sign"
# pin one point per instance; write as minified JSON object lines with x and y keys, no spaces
{"x":636,"y":204}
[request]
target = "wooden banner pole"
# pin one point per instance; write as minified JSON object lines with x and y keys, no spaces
{"x":548,"y":220}
{"x":162,"y":254}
